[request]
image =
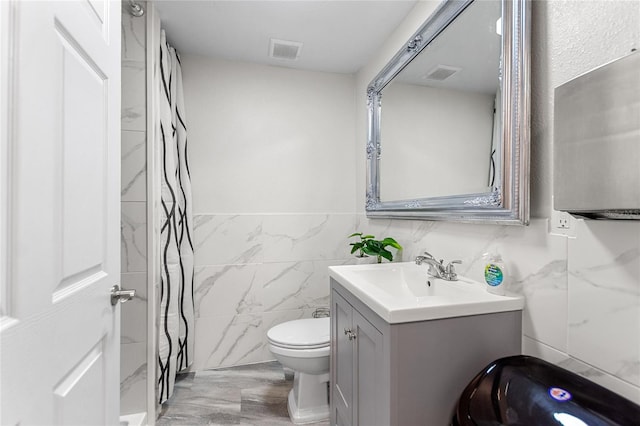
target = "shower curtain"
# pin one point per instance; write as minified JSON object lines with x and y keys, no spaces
{"x":176,"y":322}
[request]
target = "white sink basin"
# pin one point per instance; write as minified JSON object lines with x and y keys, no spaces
{"x":402,"y":292}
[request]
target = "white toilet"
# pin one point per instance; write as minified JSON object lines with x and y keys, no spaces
{"x":303,"y":346}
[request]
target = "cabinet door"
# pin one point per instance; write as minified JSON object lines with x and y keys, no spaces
{"x":369,"y":376}
{"x":342,"y":361}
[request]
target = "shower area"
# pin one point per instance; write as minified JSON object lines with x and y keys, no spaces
{"x":157,"y":327}
{"x":265,"y":229}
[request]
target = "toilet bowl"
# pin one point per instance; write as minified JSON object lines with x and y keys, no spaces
{"x":303,"y":346}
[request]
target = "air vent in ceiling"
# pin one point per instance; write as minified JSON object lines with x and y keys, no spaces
{"x":441,"y":73}
{"x":283,"y":49}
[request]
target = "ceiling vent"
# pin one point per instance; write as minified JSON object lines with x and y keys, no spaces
{"x":441,"y":73}
{"x":283,"y":49}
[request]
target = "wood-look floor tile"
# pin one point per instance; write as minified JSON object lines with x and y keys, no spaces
{"x":249,"y":395}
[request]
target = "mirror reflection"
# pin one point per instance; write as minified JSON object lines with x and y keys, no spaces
{"x":440,"y":121}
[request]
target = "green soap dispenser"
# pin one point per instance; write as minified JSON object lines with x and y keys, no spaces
{"x":495,"y":273}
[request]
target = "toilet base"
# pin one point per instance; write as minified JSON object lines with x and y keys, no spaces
{"x":308,"y":401}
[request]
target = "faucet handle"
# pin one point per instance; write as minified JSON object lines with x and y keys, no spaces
{"x":450,"y":267}
{"x":430,"y":256}
{"x":450,"y":270}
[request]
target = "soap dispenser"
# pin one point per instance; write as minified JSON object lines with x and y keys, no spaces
{"x":494,"y":273}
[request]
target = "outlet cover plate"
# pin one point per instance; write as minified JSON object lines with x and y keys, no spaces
{"x":562,"y":223}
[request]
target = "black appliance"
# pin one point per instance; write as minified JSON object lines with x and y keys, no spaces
{"x":527,"y":391}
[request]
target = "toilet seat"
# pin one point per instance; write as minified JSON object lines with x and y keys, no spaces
{"x":297,"y":347}
{"x":301,"y":352}
{"x":302,"y":334}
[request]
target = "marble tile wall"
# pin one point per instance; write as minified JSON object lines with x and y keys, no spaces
{"x":133,"y":357}
{"x":582,"y":294}
{"x":536,"y":263}
{"x":254,"y":271}
{"x":604,"y":299}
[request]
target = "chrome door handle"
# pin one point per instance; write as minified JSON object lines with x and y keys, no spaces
{"x":349,"y":333}
{"x":120,"y":295}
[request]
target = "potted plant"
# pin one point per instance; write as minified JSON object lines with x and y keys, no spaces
{"x":369,"y":246}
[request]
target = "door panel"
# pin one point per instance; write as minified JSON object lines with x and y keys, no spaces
{"x":368,"y":364}
{"x":342,"y":349}
{"x":99,"y":9}
{"x":83,"y":145}
{"x":61,"y":128}
{"x":83,"y":386}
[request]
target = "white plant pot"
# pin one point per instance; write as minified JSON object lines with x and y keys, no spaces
{"x":364,"y":260}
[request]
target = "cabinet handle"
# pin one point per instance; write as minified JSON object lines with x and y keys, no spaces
{"x":349,"y":333}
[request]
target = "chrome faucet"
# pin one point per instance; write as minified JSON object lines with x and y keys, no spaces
{"x":437,"y":268}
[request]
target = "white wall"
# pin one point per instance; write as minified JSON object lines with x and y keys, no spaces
{"x":582,"y":294}
{"x":272,"y":167}
{"x":267,"y":139}
{"x":430,"y":132}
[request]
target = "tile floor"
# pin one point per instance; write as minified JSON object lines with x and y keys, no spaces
{"x":251,"y":395}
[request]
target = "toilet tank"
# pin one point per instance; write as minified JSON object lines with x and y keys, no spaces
{"x":597,"y":142}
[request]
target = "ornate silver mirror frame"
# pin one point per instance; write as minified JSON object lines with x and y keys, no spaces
{"x":508,"y":201}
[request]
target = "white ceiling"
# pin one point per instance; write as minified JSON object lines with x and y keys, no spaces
{"x":470,"y":43}
{"x":338,"y":35}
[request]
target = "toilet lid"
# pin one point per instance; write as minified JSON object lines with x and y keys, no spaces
{"x":302,"y":333}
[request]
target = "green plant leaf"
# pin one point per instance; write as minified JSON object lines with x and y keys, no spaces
{"x":368,"y":250}
{"x":386,"y":254}
{"x":391,"y":242}
{"x":354,"y":249}
{"x":368,"y":237}
{"x":355,"y":234}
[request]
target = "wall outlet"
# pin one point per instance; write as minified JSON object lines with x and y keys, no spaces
{"x":562,"y":223}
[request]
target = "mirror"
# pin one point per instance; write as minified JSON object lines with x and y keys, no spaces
{"x":453,"y":141}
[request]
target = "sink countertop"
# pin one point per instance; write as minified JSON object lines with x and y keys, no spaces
{"x":402,"y":292}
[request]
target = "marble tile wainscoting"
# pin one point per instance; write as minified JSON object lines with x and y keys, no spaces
{"x":582,"y":294}
{"x":604,"y":300}
{"x":254,"y":271}
{"x":133,"y":356}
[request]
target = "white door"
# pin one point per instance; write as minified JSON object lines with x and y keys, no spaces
{"x":60,"y":183}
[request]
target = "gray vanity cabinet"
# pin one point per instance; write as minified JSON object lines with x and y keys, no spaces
{"x":408,"y":373}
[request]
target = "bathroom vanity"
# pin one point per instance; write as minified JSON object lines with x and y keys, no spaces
{"x":404,"y":346}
